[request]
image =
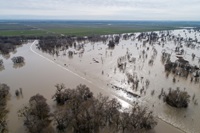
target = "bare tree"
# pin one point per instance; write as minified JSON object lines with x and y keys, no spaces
{"x":36,"y":115}
{"x":4,"y":91}
{"x":86,"y":114}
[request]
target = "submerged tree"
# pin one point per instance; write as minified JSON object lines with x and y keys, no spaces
{"x":59,"y":96}
{"x":111,"y":44}
{"x":9,"y":44}
{"x":70,"y":54}
{"x":1,"y":62}
{"x":177,"y":98}
{"x":84,"y":113}
{"x":36,"y":115}
{"x":62,"y":119}
{"x":18,"y":59}
{"x":4,"y":91}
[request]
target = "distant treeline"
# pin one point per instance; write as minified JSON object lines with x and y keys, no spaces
{"x":49,"y":43}
{"x":9,"y":44}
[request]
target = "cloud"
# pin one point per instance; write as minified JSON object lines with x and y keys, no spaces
{"x":103,"y":9}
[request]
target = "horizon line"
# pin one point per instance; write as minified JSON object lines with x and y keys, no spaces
{"x":32,"y":19}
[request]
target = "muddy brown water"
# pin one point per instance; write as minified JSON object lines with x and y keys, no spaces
{"x":38,"y":75}
{"x":42,"y":71}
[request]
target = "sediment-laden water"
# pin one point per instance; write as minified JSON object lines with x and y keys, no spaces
{"x":97,"y":68}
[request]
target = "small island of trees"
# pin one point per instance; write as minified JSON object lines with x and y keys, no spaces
{"x":18,"y":60}
{"x":177,"y":98}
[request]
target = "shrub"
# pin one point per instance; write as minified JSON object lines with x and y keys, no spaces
{"x":86,"y":114}
{"x":177,"y":98}
{"x":18,"y":59}
{"x":111,"y":44}
{"x":36,"y":115}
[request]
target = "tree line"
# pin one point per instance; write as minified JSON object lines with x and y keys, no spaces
{"x":78,"y":111}
{"x":4,"y":91}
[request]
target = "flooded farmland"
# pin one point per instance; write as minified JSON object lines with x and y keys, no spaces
{"x":109,"y":70}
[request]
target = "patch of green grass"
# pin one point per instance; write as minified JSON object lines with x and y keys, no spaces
{"x":85,"y":28}
{"x":81,"y":31}
{"x":14,"y":26}
{"x":23,"y":33}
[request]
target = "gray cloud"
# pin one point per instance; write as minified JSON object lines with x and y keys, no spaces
{"x":103,"y":9}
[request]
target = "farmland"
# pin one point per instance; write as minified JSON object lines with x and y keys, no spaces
{"x":86,"y":28}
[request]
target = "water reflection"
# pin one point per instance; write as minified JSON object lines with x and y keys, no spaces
{"x":138,"y":67}
{"x":149,"y":52}
{"x":18,"y":65}
{"x":6,"y":56}
{"x":2,"y":67}
{"x":15,"y":51}
{"x":19,"y":94}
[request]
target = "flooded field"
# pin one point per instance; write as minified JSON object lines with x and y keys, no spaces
{"x":38,"y":75}
{"x":109,"y":71}
{"x":98,"y":64}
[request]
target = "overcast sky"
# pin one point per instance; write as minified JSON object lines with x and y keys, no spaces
{"x":101,"y":9}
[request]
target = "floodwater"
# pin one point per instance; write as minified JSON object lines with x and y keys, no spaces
{"x":42,"y":71}
{"x":38,"y":75}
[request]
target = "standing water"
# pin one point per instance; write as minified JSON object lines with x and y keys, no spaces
{"x":97,"y":66}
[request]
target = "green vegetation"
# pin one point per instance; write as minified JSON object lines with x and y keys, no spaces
{"x":85,"y":28}
{"x":15,"y":29}
{"x":14,"y":26}
{"x":80,"y":31}
{"x":23,"y":33}
{"x":76,"y":31}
